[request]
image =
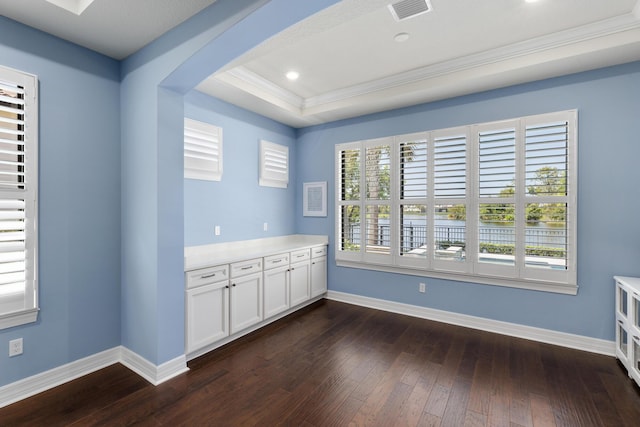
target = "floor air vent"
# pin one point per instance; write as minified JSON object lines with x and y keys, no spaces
{"x":406,"y":9}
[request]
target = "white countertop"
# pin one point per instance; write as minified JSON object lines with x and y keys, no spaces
{"x":223,"y":253}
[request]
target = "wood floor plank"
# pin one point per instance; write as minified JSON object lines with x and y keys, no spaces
{"x":541,"y":411}
{"x":334,"y":364}
{"x":414,"y":406}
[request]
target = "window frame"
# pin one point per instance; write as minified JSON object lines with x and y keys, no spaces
{"x":28,"y":312}
{"x":471,"y":268}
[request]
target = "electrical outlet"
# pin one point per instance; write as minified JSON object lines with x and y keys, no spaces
{"x":422,"y":287}
{"x":15,"y":347}
{"x":265,"y":226}
{"x":216,"y":230}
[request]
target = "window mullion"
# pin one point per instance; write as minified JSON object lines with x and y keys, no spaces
{"x":473,"y":162}
{"x":520,"y":199}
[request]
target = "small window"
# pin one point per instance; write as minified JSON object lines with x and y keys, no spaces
{"x":18,"y":198}
{"x":202,"y":151}
{"x":274,"y":165}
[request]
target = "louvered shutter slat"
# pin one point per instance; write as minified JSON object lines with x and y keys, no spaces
{"x":450,"y":166}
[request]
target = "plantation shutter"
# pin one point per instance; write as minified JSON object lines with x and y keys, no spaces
{"x":413,"y":169}
{"x":546,"y":178}
{"x":450,"y":166}
{"x":202,"y":151}
{"x":274,"y":165}
{"x":348,"y":184}
{"x":497,"y":162}
{"x":18,"y":190}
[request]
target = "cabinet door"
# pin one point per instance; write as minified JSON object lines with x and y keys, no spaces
{"x":207,"y":315}
{"x":246,"y":301}
{"x":276,"y":291}
{"x":299,"y":283}
{"x":318,"y":276}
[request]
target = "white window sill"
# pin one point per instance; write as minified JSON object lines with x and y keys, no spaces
{"x":18,"y":318}
{"x":558,"y":288}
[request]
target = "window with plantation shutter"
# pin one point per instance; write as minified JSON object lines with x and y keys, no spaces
{"x":202,"y":151}
{"x":274,"y":165}
{"x":348,"y":203}
{"x":18,"y":197}
{"x":413,"y":202}
{"x":378,"y":195}
{"x":490,"y":203}
{"x":450,"y":156}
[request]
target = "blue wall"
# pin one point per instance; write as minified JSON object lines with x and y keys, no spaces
{"x":79,"y":204}
{"x":237,"y":203}
{"x":608,"y":102}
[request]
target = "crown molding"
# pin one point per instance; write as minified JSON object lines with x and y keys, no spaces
{"x":253,"y":83}
{"x":620,"y":24}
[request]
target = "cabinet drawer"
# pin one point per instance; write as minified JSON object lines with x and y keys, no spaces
{"x":318,"y":252}
{"x":301,"y":255}
{"x":274,"y":261}
{"x":243,"y":268}
{"x":205,"y":276}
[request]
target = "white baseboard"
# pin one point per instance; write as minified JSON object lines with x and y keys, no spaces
{"x":35,"y":384}
{"x":579,"y":342}
{"x":38,"y":383}
{"x":155,"y":374}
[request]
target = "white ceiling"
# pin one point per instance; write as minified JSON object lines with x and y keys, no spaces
{"x":116,"y":28}
{"x":348,"y":61}
{"x":350,"y":65}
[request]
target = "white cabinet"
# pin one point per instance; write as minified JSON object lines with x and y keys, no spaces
{"x":246,"y":294}
{"x":255,"y":283}
{"x":276,"y":284}
{"x":318,"y":271}
{"x":207,"y":300}
{"x":628,"y":324}
{"x":299,"y":274}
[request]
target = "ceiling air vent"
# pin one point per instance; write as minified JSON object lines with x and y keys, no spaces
{"x":406,"y":9}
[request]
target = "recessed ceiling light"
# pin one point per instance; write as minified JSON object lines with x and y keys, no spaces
{"x":530,"y":1}
{"x":292,"y":75}
{"x":401,"y":37}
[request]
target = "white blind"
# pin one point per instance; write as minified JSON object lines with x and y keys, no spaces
{"x":450,"y":166}
{"x":12,"y":242}
{"x":18,"y":196}
{"x":547,"y":158}
{"x":274,"y":165}
{"x":377,"y":174}
{"x":11,"y":136}
{"x":497,"y":162}
{"x":413,"y":169}
{"x":202,"y":151}
{"x":349,"y":174}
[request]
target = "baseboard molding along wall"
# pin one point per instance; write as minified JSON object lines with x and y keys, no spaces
{"x":38,"y":383}
{"x":578,"y":342}
{"x":157,"y":374}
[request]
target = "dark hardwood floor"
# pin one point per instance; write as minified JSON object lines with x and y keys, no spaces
{"x":336,"y":364}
